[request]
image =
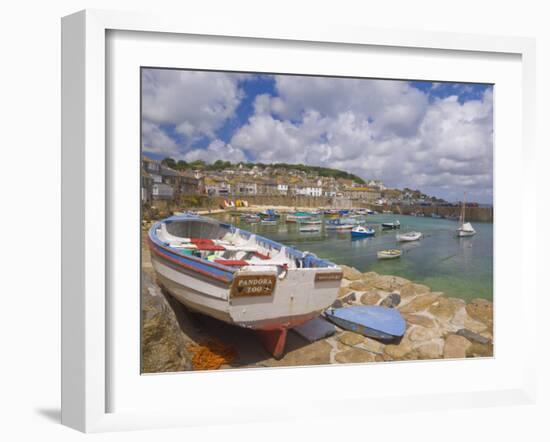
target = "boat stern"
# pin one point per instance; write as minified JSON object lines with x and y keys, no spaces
{"x":270,"y":301}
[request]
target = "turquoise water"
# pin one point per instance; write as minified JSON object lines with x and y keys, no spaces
{"x":460,"y":267}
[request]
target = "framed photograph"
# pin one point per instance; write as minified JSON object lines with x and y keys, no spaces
{"x":259,"y":212}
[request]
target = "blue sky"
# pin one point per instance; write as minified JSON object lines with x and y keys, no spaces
{"x":434,"y":136}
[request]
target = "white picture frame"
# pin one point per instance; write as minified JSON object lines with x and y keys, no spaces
{"x":86,"y":315}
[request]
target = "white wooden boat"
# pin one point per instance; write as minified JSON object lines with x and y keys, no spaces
{"x":338,"y":224}
{"x":311,"y":221}
{"x":241,"y":278}
{"x":409,"y":236}
{"x":464,"y":229}
{"x":389,"y":254}
{"x":310,"y":229}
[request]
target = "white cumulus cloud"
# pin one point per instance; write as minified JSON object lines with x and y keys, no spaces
{"x":196,"y":103}
{"x":216,"y":150}
{"x":382,"y":129}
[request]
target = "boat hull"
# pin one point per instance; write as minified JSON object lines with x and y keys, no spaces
{"x":387,"y":256}
{"x":361,"y":235}
{"x":391,"y":226}
{"x":271,"y":297}
{"x":296,"y":299}
{"x":408,"y":238}
{"x":339,"y":226}
{"x":310,"y":230}
{"x":372,"y":321}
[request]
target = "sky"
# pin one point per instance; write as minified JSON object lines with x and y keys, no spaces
{"x":436,"y":137}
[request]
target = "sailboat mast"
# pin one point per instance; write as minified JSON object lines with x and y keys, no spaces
{"x":463,"y":211}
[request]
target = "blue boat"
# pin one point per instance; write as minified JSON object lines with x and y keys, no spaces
{"x":362,"y":232}
{"x":269,"y":213}
{"x":373,"y":321}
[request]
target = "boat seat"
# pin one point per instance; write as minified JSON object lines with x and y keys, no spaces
{"x":231,"y":263}
{"x":280,"y":255}
{"x":240,"y":254}
{"x":167,"y":237}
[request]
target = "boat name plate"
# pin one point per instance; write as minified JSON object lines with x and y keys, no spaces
{"x":253,"y":285}
{"x":328,"y":276}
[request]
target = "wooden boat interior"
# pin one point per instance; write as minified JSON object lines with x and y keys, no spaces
{"x":229,"y":246}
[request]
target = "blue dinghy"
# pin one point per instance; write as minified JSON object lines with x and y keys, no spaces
{"x":373,"y":321}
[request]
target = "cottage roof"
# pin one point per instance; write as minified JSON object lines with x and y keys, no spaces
{"x":168,"y":171}
{"x":146,"y":159}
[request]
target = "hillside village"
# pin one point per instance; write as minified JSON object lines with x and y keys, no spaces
{"x":159,"y":181}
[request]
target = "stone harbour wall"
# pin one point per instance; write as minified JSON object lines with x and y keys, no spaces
{"x":438,"y":327}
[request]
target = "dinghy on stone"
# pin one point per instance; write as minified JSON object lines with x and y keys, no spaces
{"x":373,"y":321}
{"x":241,"y":278}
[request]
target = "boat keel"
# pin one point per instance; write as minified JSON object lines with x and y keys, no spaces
{"x":274,"y":341}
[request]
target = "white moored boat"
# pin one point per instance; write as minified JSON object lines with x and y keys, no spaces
{"x":241,"y":278}
{"x":389,"y":254}
{"x":464,"y":228}
{"x":409,"y":236}
{"x":338,"y":224}
{"x":310,"y":229}
{"x":312,"y":221}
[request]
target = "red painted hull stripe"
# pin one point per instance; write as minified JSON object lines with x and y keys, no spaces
{"x":192,"y":258}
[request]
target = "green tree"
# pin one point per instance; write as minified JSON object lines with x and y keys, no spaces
{"x":169,"y":162}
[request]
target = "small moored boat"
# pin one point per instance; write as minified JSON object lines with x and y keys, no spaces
{"x":464,"y":229}
{"x":389,"y":254}
{"x":362,"y":232}
{"x":409,"y":236}
{"x":389,"y":226}
{"x":374,"y":321}
{"x":338,"y":224}
{"x":297,"y":217}
{"x":269,"y":213}
{"x":311,"y":221}
{"x":250,"y":218}
{"x":310,"y":229}
{"x":241,"y":278}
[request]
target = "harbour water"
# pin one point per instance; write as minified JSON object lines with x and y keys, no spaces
{"x":460,"y":267}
